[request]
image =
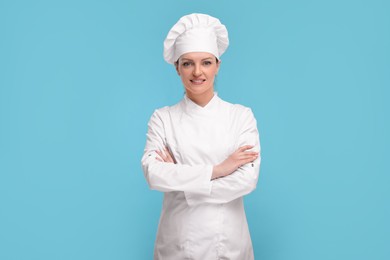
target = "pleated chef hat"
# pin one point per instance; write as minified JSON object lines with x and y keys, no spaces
{"x":195,"y":33}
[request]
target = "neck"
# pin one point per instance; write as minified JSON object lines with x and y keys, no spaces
{"x":201,"y":100}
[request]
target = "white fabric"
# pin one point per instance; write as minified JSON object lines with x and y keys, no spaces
{"x":201,"y":219}
{"x":195,"y":33}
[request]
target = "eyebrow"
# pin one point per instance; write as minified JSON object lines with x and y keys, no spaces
{"x":187,"y":59}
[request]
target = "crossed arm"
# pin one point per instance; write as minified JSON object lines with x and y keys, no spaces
{"x":237,"y":159}
{"x":232,"y":178}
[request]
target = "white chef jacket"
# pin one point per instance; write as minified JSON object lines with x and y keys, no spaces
{"x":201,"y":218}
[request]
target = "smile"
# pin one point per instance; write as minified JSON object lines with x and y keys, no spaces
{"x":197,"y":81}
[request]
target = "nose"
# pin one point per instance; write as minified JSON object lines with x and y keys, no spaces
{"x":197,"y":70}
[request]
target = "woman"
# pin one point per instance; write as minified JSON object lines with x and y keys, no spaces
{"x":203,"y":153}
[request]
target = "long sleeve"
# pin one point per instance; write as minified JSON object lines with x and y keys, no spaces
{"x":244,"y":179}
{"x":168,"y":177}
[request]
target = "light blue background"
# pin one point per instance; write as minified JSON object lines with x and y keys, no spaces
{"x":80,"y":79}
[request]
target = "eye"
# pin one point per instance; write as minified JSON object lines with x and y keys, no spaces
{"x":207,"y":63}
{"x":186,"y":64}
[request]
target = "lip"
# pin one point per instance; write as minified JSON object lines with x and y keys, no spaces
{"x":197,"y":81}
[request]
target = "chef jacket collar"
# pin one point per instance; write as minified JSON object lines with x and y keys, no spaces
{"x":194,"y":109}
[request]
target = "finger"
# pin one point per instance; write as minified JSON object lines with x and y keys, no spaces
{"x":250,"y":153}
{"x":244,"y":157}
{"x":169,"y":158}
{"x":246,"y":161}
{"x":245,"y":147}
{"x":168,"y":154}
{"x":169,"y":151}
{"x":162,"y":155}
{"x":159,"y":153}
{"x":247,"y":157}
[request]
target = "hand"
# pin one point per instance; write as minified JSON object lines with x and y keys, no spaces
{"x":237,"y":159}
{"x":166,"y":156}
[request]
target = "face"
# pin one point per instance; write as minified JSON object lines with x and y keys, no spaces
{"x":197,"y":71}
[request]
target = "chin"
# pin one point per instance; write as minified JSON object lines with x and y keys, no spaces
{"x":198,"y":91}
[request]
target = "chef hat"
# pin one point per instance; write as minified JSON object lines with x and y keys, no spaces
{"x":195,"y":33}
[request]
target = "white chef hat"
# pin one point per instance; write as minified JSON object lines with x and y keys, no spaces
{"x":195,"y":33}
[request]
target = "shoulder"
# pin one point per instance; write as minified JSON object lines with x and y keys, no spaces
{"x":237,"y":110}
{"x":165,"y":112}
{"x":242,"y":116}
{"x":160,"y":111}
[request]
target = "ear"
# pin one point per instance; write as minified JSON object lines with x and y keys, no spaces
{"x":177,"y":68}
{"x":218,"y":66}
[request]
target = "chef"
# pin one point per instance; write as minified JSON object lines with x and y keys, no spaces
{"x":203,"y":153}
